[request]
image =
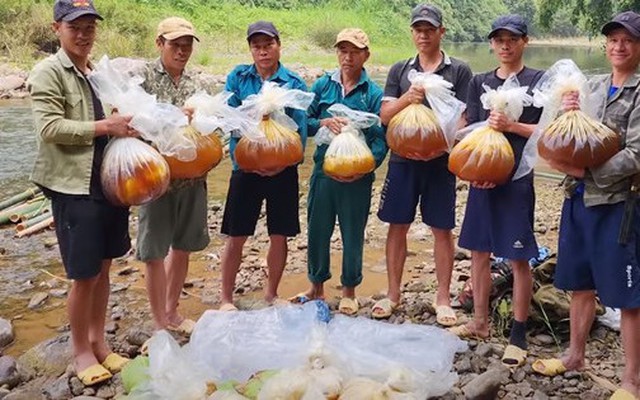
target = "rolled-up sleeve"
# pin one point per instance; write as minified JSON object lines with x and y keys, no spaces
{"x":49,"y":102}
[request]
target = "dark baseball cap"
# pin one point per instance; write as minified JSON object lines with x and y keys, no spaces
{"x":68,"y":10}
{"x":264,"y":27}
{"x":426,"y":13}
{"x":628,"y":20}
{"x":512,"y":23}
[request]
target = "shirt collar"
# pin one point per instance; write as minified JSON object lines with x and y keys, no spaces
{"x":446,"y":60}
{"x":159,"y":67}
{"x":335,"y":76}
{"x":280,"y":75}
{"x":67,"y":63}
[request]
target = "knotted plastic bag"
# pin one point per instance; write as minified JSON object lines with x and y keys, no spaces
{"x":423,"y":133}
{"x":275,"y":144}
{"x":133,"y":172}
{"x":158,"y":123}
{"x":576,"y":137}
{"x":213,"y":118}
{"x":348,"y":154}
{"x":485,"y":155}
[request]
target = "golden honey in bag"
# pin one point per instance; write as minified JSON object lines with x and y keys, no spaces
{"x":348,"y":155}
{"x":485,"y":155}
{"x":208,"y":155}
{"x":415,"y":133}
{"x":279,"y":148}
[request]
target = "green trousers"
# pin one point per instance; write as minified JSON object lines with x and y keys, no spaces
{"x":350,"y":203}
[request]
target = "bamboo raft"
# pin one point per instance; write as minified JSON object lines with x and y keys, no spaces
{"x":30,"y":211}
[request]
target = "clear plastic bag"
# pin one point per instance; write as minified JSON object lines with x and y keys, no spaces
{"x":348,"y":154}
{"x":158,"y":123}
{"x":421,"y":132}
{"x":175,"y":373}
{"x":484,"y":154}
{"x":208,"y":155}
{"x":575,"y":137}
{"x":275,"y":144}
{"x":133,"y":172}
{"x":213,"y":113}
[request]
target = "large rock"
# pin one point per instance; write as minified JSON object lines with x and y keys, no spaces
{"x":9,"y":372}
{"x":6,"y":333}
{"x":49,"y":358}
{"x":59,"y":390}
{"x":485,"y":386}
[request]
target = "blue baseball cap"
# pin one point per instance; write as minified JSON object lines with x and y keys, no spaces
{"x":512,"y":23}
{"x":68,"y":10}
{"x":426,"y":13}
{"x":263,"y":27}
{"x":628,"y":20}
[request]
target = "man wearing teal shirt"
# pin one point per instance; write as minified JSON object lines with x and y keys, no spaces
{"x":247,"y":190}
{"x":348,"y":199}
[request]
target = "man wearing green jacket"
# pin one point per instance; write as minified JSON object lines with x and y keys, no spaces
{"x":347,"y":199}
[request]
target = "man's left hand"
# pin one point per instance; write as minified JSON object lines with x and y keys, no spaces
{"x":567,"y":169}
{"x":347,"y":179}
{"x":269,"y":172}
{"x":499,"y":121}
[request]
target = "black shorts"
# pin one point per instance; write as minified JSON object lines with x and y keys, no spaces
{"x":89,"y":231}
{"x":244,"y":201}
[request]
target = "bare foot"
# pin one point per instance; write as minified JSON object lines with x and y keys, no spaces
{"x":84,"y":361}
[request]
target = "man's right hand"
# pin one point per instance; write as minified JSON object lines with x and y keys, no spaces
{"x":116,"y":125}
{"x":570,"y":101}
{"x":415,"y":94}
{"x":335,"y":124}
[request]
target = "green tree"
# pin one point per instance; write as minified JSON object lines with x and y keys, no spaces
{"x":594,"y":13}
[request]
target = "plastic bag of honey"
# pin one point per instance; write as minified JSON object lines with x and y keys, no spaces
{"x":158,"y":123}
{"x":275,"y":143}
{"x":348,"y":154}
{"x":576,"y":137}
{"x":484,"y":154}
{"x":212,"y":123}
{"x":133,"y":172}
{"x":420,"y":132}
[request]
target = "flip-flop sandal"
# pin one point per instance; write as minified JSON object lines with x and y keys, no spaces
{"x":386,"y":307}
{"x":348,"y":306}
{"x":185,"y":328}
{"x":93,"y":375}
{"x":514,"y":356}
{"x":115,"y":362}
{"x":549,"y":367}
{"x":302,"y":298}
{"x":228,"y":307}
{"x":463,"y":332}
{"x":622,"y":394}
{"x":445,"y":315}
{"x":144,"y":349}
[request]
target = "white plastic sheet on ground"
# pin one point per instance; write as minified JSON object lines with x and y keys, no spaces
{"x":237,"y":344}
{"x":611,"y":318}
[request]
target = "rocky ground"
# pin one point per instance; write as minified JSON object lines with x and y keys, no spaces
{"x":42,"y":371}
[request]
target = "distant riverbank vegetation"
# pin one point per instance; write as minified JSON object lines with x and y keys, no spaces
{"x":308,"y":27}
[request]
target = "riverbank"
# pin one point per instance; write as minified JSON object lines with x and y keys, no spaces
{"x":35,"y":303}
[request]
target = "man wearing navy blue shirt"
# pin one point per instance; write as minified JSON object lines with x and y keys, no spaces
{"x":247,"y":190}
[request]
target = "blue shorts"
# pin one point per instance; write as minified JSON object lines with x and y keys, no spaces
{"x":427,"y":182}
{"x":500,"y":220}
{"x":590,"y":257}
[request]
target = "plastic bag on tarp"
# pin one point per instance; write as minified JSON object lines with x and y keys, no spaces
{"x":238,"y":344}
{"x":174,"y":373}
{"x":348,"y":154}
{"x":133,"y":172}
{"x":157,"y":122}
{"x":417,"y":358}
{"x":576,"y":137}
{"x":275,"y":144}
{"x":484,"y":154}
{"x":319,"y":377}
{"x":421,"y":132}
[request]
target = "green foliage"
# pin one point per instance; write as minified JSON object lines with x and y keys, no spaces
{"x":592,"y":13}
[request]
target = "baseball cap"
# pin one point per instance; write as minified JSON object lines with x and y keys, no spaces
{"x":628,"y":20}
{"x":512,"y":23}
{"x":264,"y":27}
{"x":355,"y":36}
{"x":426,"y":13}
{"x":68,"y":10}
{"x":176,"y":27}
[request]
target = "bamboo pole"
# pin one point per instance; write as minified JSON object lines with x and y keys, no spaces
{"x":44,"y":208}
{"x":15,"y":215}
{"x":31,"y":222}
{"x":47,"y":223}
{"x":20,"y":197}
